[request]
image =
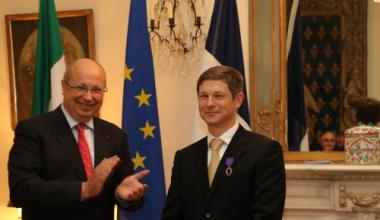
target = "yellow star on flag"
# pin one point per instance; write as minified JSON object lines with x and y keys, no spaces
{"x":143,"y":98}
{"x":138,"y":160}
{"x":128,"y":73}
{"x":148,"y":130}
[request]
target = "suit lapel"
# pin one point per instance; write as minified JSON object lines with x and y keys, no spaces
{"x":101,"y":142}
{"x":64,"y":134}
{"x":235,"y":150}
{"x":201,"y":165}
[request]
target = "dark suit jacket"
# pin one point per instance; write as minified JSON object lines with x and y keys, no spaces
{"x":45,"y":169}
{"x":254,"y":190}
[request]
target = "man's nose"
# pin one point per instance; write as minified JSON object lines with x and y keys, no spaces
{"x":210,"y":101}
{"x":88,"y":95}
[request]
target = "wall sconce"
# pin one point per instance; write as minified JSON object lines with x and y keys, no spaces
{"x":176,"y":24}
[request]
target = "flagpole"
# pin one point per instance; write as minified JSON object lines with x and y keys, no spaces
{"x":252,"y":69}
{"x":283,"y":79}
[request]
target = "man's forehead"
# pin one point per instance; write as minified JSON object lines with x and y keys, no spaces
{"x":212,"y":92}
{"x":213,"y":83}
{"x":328,"y":138}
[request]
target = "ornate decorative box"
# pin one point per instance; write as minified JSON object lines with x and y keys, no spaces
{"x":362,"y":145}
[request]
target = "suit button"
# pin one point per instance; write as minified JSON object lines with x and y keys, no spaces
{"x":208,"y":215}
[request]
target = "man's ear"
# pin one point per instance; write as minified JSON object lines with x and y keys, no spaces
{"x":62,"y":86}
{"x":239,"y":98}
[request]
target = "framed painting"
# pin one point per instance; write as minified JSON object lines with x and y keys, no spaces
{"x":77,"y":29}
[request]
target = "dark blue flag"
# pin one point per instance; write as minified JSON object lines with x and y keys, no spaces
{"x":224,"y":43}
{"x":296,"y":102}
{"x":140,"y":114}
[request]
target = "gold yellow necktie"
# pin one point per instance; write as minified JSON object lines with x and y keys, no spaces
{"x":215,"y":146}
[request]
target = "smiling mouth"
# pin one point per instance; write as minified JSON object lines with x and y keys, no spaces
{"x":211,"y":113}
{"x":87,"y":105}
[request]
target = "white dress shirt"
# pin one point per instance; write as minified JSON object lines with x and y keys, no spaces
{"x":226,"y":137}
{"x":88,"y":132}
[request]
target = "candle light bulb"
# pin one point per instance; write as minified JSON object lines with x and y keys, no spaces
{"x":150,"y":11}
{"x":198,"y":8}
{"x":169,"y":8}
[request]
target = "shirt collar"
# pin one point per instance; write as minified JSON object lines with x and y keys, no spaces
{"x":72,"y":122}
{"x":226,"y":137}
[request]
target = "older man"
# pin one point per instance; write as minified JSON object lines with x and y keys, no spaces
{"x":327,"y":141}
{"x":70,"y":164}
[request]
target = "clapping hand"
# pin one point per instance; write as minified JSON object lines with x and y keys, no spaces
{"x":131,"y":189}
{"x":94,"y":185}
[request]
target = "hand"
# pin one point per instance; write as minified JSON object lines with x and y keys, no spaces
{"x":130,"y":189}
{"x":94,"y":185}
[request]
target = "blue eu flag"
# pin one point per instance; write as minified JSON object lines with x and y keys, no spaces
{"x":140,"y":114}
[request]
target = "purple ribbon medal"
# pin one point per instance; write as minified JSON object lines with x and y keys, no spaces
{"x":229,"y":162}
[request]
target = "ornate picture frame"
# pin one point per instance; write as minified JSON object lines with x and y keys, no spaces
{"x":77,"y":28}
{"x":268,"y":92}
{"x":352,"y":71}
{"x":353,"y":80}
